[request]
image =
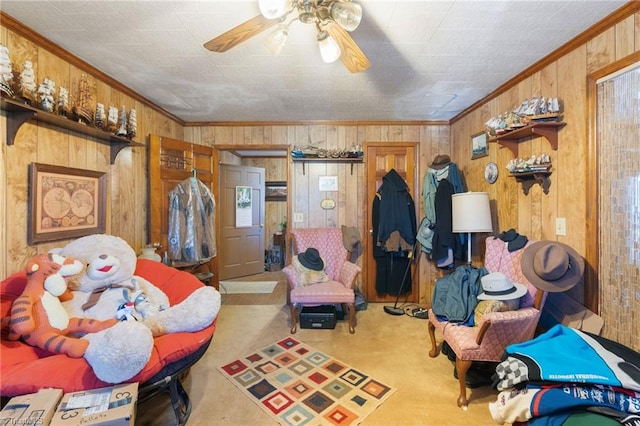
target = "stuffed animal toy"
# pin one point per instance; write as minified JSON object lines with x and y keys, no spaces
{"x":38,"y":317}
{"x":110,"y":266}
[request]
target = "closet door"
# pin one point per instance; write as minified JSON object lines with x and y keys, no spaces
{"x":380,"y":157}
{"x":170,"y":162}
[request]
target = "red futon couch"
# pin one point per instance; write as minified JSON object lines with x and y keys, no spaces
{"x":25,"y":369}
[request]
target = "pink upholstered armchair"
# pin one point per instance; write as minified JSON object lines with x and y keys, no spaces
{"x":496,"y":330}
{"x":342,"y":273}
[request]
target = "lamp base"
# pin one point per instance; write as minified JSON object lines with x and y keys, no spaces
{"x":392,"y":310}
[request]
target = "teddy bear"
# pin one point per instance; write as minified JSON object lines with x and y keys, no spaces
{"x":38,"y":317}
{"x":98,"y":291}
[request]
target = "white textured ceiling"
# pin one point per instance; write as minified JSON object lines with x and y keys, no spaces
{"x":430,"y":59}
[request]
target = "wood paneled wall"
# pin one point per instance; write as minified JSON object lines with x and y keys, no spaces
{"x":127,"y":177}
{"x":303,"y":185}
{"x":534,"y":215}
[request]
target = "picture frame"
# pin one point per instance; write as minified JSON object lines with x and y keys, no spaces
{"x":327,"y":183}
{"x":65,"y":203}
{"x":275,"y":191}
{"x":479,"y":146}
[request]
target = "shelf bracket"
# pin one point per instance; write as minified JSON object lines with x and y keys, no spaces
{"x":550,"y":133}
{"x":19,"y":118}
{"x":115,"y":150}
{"x":531,"y":179}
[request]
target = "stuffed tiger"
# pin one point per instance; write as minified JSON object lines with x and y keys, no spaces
{"x":38,"y":316}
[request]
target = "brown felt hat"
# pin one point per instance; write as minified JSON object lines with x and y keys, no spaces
{"x":552,"y":266}
{"x":440,"y":162}
{"x":350,"y":237}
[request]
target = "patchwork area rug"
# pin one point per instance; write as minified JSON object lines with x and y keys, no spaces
{"x":298,"y":385}
{"x":237,"y":287}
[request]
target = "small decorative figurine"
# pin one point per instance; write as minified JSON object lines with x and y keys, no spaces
{"x":122,"y":130}
{"x":46,"y":90}
{"x":101,"y":116}
{"x":6,"y":73}
{"x":82,"y":109}
{"x":112,"y":120}
{"x":63,"y":102}
{"x":132,"y":124}
{"x":27,"y":84}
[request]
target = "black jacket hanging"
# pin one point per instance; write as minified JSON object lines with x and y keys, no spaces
{"x":397,"y":214}
{"x":394,"y":231}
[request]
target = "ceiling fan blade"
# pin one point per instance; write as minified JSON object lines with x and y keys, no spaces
{"x":242,"y":32}
{"x":352,"y":57}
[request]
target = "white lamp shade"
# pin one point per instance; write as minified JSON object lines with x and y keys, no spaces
{"x":272,"y":9}
{"x":329,"y":49}
{"x":471,"y":212}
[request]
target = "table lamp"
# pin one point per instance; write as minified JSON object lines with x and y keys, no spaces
{"x":471,"y":213}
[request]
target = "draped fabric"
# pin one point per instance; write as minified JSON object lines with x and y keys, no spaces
{"x":191,"y":235}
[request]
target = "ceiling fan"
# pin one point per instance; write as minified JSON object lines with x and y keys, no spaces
{"x":333,"y":20}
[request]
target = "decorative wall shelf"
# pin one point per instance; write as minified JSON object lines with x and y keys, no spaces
{"x":547,"y":129}
{"x":19,"y":113}
{"x":304,"y":160}
{"x":530,"y":178}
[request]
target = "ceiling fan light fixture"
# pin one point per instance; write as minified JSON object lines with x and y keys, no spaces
{"x":276,"y":39}
{"x":329,"y":49}
{"x":272,"y":9}
{"x":346,"y":13}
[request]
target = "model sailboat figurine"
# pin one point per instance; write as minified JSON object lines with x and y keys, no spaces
{"x":63,"y":102}
{"x":82,"y":109}
{"x":46,"y":90}
{"x":6,"y":73}
{"x":27,"y":84}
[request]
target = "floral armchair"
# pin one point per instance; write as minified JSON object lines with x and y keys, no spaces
{"x":342,"y":274}
{"x":496,"y":330}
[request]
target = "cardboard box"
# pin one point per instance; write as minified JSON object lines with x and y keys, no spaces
{"x":32,"y":409}
{"x":110,"y":406}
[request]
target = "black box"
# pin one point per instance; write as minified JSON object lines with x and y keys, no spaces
{"x":323,"y":316}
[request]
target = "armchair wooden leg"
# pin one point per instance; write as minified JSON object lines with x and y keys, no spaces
{"x":462,"y":366}
{"x":352,"y":318}
{"x":294,"y":318}
{"x":435,"y":349}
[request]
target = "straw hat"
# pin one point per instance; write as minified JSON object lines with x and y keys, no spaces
{"x":496,"y":286}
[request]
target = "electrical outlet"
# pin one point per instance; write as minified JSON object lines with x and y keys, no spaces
{"x":298,"y":217}
{"x":561,"y":226}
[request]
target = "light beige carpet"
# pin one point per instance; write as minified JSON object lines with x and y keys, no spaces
{"x":394,"y":349}
{"x":241,"y":287}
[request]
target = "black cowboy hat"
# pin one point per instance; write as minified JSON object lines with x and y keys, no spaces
{"x":311,"y":259}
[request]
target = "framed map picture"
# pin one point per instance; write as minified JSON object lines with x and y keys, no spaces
{"x":65,"y":203}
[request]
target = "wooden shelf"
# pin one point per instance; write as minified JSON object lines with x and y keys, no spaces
{"x":547,"y":129}
{"x":303,"y":160}
{"x":529,"y":179}
{"x":19,"y":113}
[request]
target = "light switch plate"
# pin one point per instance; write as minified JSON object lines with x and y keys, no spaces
{"x":561,"y":226}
